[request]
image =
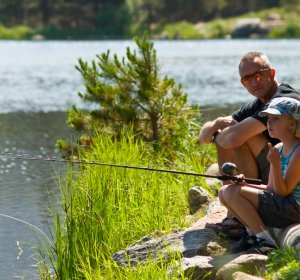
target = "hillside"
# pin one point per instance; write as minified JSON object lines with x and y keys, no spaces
{"x":124,"y":19}
{"x":281,"y":22}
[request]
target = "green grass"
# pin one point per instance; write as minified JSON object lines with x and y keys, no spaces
{"x":283,"y":264}
{"x":181,"y":30}
{"x":105,"y":209}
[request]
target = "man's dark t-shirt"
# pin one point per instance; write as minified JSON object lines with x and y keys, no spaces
{"x":253,"y":108}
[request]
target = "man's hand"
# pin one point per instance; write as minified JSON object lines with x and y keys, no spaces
{"x":209,"y":128}
{"x":222,"y":122}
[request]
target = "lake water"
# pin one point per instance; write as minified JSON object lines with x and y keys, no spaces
{"x":38,"y":82}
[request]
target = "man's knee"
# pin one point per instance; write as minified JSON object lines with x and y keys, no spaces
{"x":252,"y":147}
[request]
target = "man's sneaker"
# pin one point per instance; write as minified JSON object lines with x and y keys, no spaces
{"x":244,"y":243}
{"x":262,"y":247}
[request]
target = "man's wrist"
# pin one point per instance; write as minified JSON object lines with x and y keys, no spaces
{"x":214,"y":136}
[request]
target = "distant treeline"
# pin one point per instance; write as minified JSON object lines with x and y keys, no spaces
{"x":119,"y":18}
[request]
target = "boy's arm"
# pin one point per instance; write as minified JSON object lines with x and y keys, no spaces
{"x":292,"y":174}
{"x":284,"y":185}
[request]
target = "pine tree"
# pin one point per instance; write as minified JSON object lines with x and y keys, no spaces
{"x":131,"y":94}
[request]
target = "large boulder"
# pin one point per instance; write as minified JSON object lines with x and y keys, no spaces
{"x":188,"y":243}
{"x":249,"y":27}
{"x":288,"y":237}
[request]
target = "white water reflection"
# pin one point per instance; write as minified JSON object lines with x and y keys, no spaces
{"x":27,"y":186}
{"x":41,"y":76}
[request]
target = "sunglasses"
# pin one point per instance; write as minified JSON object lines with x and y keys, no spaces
{"x":257,"y":75}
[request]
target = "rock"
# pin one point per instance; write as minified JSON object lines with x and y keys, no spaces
{"x":197,"y":268}
{"x":212,"y":183}
{"x":187,"y":243}
{"x":215,"y":213}
{"x":196,"y":198}
{"x":38,"y":37}
{"x":273,"y":17}
{"x":214,"y":249}
{"x":244,"y":276}
{"x":257,"y":28}
{"x":222,"y":267}
{"x":273,"y":20}
{"x":251,"y":264}
{"x":247,"y":27}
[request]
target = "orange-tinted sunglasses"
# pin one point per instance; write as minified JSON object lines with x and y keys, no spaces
{"x":259,"y":74}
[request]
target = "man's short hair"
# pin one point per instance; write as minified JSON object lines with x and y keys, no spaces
{"x":250,"y":56}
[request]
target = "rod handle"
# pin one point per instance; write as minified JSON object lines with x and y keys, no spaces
{"x":253,"y":181}
{"x":248,"y":180}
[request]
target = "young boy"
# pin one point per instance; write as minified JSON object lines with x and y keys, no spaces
{"x":276,"y":204}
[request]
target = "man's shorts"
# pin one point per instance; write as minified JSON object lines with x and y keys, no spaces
{"x":263,"y":165}
{"x":277,"y":211}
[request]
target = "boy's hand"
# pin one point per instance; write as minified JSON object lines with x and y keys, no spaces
{"x":273,"y":154}
{"x":240,"y":179}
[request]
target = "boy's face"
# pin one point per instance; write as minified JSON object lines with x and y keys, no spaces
{"x":279,"y":126}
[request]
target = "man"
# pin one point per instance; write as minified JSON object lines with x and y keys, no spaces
{"x":242,"y":137}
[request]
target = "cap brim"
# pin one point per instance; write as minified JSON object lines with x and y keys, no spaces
{"x":270,"y":111}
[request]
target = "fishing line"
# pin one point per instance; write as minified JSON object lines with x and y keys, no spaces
{"x":30,"y":225}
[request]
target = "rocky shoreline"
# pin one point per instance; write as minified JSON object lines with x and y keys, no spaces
{"x":204,"y":253}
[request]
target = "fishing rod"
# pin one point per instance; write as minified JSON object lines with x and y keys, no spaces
{"x":229,"y":169}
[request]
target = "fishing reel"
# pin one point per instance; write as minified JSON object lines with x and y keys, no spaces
{"x":229,"y":168}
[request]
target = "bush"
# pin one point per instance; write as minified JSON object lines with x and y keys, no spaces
{"x":289,"y":31}
{"x":219,"y":29}
{"x":17,"y":32}
{"x":181,"y":30}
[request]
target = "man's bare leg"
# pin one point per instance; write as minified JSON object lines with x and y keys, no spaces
{"x":224,"y":155}
{"x":246,"y":156}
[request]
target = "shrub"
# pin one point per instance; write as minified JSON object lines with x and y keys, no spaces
{"x":181,"y":30}
{"x":289,"y":31}
{"x":17,"y":32}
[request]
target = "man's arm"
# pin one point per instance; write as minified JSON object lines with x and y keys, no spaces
{"x":236,"y":135}
{"x":209,"y":128}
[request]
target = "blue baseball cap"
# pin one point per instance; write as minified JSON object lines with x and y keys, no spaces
{"x":283,"y":106}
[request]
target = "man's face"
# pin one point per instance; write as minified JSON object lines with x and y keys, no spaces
{"x":257,"y":79}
